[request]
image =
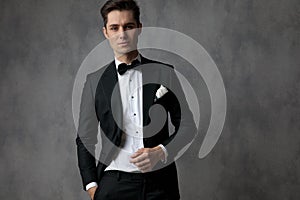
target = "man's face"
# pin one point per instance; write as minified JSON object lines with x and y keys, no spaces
{"x":121,"y":31}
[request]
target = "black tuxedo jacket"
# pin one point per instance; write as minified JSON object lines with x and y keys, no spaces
{"x":97,"y":107}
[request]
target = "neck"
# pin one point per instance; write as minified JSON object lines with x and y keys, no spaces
{"x":128,"y":58}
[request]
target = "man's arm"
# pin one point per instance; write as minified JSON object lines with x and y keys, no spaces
{"x":87,"y":136}
{"x":181,"y":117}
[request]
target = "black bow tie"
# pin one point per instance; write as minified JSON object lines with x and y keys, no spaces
{"x":123,"y":67}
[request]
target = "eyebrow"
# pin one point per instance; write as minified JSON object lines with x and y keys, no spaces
{"x":130,"y":23}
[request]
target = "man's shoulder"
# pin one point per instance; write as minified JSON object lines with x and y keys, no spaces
{"x":147,"y":60}
{"x":95,"y":76}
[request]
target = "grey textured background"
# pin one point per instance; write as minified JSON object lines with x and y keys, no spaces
{"x":255,"y":44}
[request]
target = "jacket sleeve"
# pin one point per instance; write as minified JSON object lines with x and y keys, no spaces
{"x":181,"y":117}
{"x":87,"y":135}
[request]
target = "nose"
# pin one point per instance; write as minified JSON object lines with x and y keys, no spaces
{"x":122,"y":33}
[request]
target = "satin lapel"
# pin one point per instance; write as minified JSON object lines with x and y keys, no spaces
{"x":110,"y":81}
{"x":149,"y":91}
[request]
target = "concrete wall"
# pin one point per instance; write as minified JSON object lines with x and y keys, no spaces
{"x":255,"y":44}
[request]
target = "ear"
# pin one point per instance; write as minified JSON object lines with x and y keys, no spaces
{"x":104,"y":30}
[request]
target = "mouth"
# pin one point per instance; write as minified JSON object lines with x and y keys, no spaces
{"x":123,"y":43}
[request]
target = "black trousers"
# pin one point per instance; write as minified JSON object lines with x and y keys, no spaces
{"x":117,"y":185}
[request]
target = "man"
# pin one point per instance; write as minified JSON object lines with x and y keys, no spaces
{"x":136,"y":162}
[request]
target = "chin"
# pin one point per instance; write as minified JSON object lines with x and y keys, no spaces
{"x":125,"y":50}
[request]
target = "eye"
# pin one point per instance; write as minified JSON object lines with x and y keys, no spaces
{"x":128,"y":27}
{"x":113,"y":28}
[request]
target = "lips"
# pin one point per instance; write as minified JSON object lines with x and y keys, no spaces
{"x":123,"y":43}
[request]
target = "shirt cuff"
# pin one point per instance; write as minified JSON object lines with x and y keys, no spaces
{"x":90,"y":185}
{"x":165,"y":152}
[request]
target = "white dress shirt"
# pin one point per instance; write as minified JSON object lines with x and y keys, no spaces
{"x":131,"y":92}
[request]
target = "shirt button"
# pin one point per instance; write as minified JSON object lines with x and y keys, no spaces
{"x":134,"y":114}
{"x":132,"y":97}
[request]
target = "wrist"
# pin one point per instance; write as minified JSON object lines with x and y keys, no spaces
{"x":165,"y":153}
{"x":160,"y":152}
{"x":90,"y":185}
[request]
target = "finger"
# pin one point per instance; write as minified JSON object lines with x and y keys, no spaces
{"x":139,"y":158}
{"x":145,"y":168}
{"x":137,"y":153}
{"x":143,"y":163}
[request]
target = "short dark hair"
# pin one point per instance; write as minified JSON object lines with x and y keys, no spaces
{"x":120,"y":5}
